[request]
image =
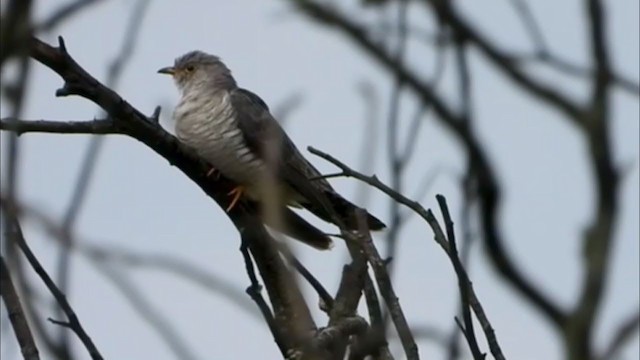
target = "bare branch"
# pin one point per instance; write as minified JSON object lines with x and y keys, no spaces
{"x":349,"y":291}
{"x":108,"y":261}
{"x":13,"y":227}
{"x":343,"y":329}
{"x":555,"y":62}
{"x":173,"y":265}
{"x":489,"y":201}
{"x":463,"y":282}
{"x":428,"y":216}
{"x":397,"y":166}
{"x":325,"y":297}
{"x":15,"y":27}
{"x":16,"y":314}
{"x":471,"y":298}
{"x":622,"y":335}
{"x":14,"y":35}
{"x":599,"y":237}
{"x":283,"y":111}
{"x":368,"y":151}
{"x":101,"y":126}
{"x":254,"y":292}
{"x":357,"y":33}
{"x":500,"y":59}
{"x":530,"y":24}
{"x":288,"y":304}
{"x":63,"y":13}
{"x":386,"y":290}
{"x":89,"y":162}
{"x":371,"y":180}
{"x":114,"y":73}
{"x":487,"y":182}
{"x":170,"y":336}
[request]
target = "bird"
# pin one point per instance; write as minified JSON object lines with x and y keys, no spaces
{"x":233,"y":130}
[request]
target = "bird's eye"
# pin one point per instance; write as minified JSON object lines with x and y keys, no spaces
{"x":190,"y":68}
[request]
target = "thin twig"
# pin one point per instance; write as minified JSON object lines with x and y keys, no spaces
{"x":622,"y":335}
{"x":367,"y":154}
{"x":462,"y":27}
{"x":170,"y":264}
{"x":466,"y":106}
{"x":397,"y":166}
{"x":440,"y":237}
{"x":371,"y":180}
{"x":473,"y":302}
{"x":383,"y":280}
{"x":463,"y":281}
{"x":543,"y":54}
{"x":490,"y":194}
{"x":109,"y":261}
{"x":169,"y":335}
{"x":566,"y":67}
{"x":326,"y":298}
{"x":531,"y":25}
{"x":254,"y":292}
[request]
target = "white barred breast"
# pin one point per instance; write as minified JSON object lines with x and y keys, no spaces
{"x":207,"y":124}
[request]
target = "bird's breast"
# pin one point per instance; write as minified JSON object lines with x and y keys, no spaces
{"x":208,"y":125}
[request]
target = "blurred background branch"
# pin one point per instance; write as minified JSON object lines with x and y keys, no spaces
{"x":90,"y":162}
{"x":433,"y":57}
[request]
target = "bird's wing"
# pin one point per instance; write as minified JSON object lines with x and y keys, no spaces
{"x":265,"y":137}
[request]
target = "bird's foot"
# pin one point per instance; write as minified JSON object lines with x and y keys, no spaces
{"x":236,"y":193}
{"x":213,"y":172}
{"x":294,"y":354}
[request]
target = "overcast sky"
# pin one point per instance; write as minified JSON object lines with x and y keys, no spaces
{"x":138,"y":201}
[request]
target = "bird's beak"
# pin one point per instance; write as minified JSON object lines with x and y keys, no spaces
{"x":167,"y":70}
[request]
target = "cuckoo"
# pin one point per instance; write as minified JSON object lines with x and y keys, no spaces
{"x":233,"y":130}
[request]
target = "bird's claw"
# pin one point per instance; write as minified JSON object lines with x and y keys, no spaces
{"x":213,"y":172}
{"x":294,"y":354}
{"x":236,"y":192}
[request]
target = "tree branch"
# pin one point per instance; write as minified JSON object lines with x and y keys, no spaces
{"x":254,"y":293}
{"x":462,"y":27}
{"x":599,"y":236}
{"x":63,"y":13}
{"x":288,"y":304}
{"x":386,"y":289}
{"x":427,"y":215}
{"x":89,"y":161}
{"x":98,"y":126}
{"x":463,"y":280}
{"x":489,"y":190}
{"x":623,"y":333}
{"x":16,"y":314}
{"x":15,"y":232}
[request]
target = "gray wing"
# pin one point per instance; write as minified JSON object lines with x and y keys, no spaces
{"x":265,"y":137}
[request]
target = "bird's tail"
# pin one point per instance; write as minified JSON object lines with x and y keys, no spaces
{"x":345,"y":211}
{"x":293,"y":225}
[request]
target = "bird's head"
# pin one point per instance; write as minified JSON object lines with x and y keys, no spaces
{"x":196,"y":70}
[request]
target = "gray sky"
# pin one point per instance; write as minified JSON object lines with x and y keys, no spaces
{"x":138,"y":201}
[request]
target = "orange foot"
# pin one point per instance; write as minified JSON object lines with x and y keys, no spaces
{"x":236,"y":193}
{"x":213,"y":172}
